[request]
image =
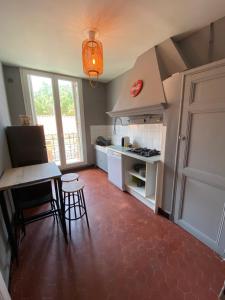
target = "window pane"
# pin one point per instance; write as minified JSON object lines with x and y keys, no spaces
{"x":70,"y":122}
{"x":45,"y":113}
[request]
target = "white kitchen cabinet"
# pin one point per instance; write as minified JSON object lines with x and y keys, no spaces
{"x":147,"y":192}
{"x":101,"y":157}
{"x":115,"y":168}
{"x":122,"y":174}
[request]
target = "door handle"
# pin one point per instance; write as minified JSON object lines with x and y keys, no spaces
{"x":182,"y":137}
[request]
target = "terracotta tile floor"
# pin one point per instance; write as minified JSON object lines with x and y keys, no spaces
{"x":130,"y":253}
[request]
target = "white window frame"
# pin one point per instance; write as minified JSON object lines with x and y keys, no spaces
{"x":30,"y":110}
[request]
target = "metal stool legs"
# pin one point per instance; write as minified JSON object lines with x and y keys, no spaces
{"x":74,"y":202}
{"x":84,"y":204}
{"x":69,"y":214}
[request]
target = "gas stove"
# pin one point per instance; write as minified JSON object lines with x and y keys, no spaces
{"x":144,"y":152}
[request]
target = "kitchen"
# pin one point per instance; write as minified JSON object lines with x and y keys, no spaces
{"x":143,"y":142}
{"x":142,"y":126}
{"x":126,"y":164}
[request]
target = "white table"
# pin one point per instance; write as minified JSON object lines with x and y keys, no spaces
{"x":25,"y":176}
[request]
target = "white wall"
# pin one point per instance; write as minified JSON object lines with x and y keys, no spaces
{"x":4,"y":163}
{"x":142,"y":135}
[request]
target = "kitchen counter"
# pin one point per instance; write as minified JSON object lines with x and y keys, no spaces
{"x":101,"y":148}
{"x":119,"y":163}
{"x":123,"y":151}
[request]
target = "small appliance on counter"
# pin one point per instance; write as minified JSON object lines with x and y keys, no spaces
{"x":125,"y":141}
{"x":101,"y":141}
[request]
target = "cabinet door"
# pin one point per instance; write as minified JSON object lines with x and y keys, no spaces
{"x":101,"y":160}
{"x":115,"y":169}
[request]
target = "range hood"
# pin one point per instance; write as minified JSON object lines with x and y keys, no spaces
{"x":151,"y":99}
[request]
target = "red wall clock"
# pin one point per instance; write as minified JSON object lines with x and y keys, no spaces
{"x":136,"y":88}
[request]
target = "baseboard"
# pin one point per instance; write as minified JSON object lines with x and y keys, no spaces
{"x":164,"y":213}
{"x":79,"y":168}
{"x":96,"y":167}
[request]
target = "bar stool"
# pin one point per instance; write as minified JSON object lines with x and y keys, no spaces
{"x":74,"y":200}
{"x":69,"y":177}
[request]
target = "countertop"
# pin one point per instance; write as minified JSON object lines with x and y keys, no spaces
{"x":123,"y":151}
{"x":22,"y":176}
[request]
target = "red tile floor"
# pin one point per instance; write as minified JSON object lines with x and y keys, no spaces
{"x":130,"y":253}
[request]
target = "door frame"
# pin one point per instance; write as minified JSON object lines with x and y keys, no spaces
{"x":177,"y":202}
{"x":29,"y":109}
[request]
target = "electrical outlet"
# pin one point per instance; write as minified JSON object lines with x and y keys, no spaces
{"x":222,"y":293}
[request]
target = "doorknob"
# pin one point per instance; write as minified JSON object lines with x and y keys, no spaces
{"x":182,"y":137}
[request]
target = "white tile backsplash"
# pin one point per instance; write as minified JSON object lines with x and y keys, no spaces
{"x":144,"y":135}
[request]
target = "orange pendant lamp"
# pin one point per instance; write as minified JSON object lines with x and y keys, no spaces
{"x":92,"y":56}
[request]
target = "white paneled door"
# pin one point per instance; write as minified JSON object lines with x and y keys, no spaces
{"x":200,"y":192}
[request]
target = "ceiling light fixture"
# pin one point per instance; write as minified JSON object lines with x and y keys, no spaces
{"x":92,"y":56}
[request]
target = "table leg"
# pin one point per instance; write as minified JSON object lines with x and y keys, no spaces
{"x":59,"y":199}
{"x":11,"y":235}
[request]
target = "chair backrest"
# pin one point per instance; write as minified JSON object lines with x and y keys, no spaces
{"x":30,"y":192}
{"x":26,"y":145}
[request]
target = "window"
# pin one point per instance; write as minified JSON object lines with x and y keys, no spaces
{"x":56,"y":103}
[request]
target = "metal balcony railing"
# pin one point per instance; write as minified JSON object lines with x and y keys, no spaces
{"x":72,"y":147}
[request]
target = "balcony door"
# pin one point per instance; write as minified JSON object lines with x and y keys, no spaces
{"x":56,"y":103}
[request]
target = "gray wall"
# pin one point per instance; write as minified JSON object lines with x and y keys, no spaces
{"x":4,"y":163}
{"x":14,"y":93}
{"x":172,"y":88}
{"x":113,"y":89}
{"x":94,"y":104}
{"x":94,"y":112}
{"x":195,"y":47}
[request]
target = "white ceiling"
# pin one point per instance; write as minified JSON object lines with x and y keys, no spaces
{"x":47,"y":34}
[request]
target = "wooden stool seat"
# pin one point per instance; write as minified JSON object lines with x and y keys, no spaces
{"x":69,"y":177}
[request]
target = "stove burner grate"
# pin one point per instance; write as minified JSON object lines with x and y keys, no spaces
{"x":144,"y":152}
